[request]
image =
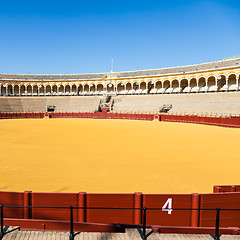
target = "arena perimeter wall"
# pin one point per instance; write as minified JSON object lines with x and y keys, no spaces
{"x":193,"y":218}
{"x":218,"y":121}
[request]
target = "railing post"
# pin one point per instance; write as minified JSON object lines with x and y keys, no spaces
{"x":71,"y":224}
{"x":2,"y":230}
{"x":144,"y":222}
{"x":217,"y":237}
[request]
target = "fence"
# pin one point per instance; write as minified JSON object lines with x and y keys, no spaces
{"x":120,"y":226}
{"x":217,"y":121}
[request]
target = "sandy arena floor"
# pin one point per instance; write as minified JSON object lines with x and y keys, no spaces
{"x":74,"y":155}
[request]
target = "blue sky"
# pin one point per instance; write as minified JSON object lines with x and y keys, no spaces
{"x":82,"y":36}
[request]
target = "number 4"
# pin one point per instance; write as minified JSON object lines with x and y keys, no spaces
{"x":168,"y":206}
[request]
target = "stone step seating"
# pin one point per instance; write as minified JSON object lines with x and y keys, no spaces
{"x":131,"y":234}
{"x":224,"y":102}
{"x":40,"y":104}
{"x":74,"y":104}
{"x":27,"y":104}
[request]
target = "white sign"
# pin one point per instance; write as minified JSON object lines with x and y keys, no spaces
{"x":168,"y":206}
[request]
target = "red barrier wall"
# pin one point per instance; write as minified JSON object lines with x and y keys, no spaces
{"x":193,"y":218}
{"x":218,"y":121}
{"x":227,"y":122}
{"x":226,"y":188}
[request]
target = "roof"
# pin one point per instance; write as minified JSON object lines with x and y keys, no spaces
{"x":226,"y":63}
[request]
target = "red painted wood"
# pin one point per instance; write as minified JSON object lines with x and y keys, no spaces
{"x":137,"y":204}
{"x":12,"y":199}
{"x":63,"y":225}
{"x":81,"y":203}
{"x":54,"y":200}
{"x":27,"y":202}
{"x":110,"y":215}
{"x":220,"y":200}
{"x":178,"y":218}
{"x":195,"y":213}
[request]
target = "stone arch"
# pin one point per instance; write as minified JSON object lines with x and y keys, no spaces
{"x":86,"y":88}
{"x":100,"y":87}
{"x":10,"y":90}
{"x":54,"y":89}
{"x":232,"y":79}
{"x":211,"y":83}
{"x":80,"y":89}
{"x":110,"y":87}
{"x":158,"y":85}
{"x":92,"y":88}
{"x":166,"y":84}
{"x":61,"y":90}
{"x":29,"y":90}
{"x":22,"y":90}
{"x":232,"y":82}
{"x":202,"y":82}
{"x":128,"y":86}
{"x":193,"y":82}
{"x":35,"y":90}
{"x":221,"y":82}
{"x":150,"y":86}
{"x":184,"y":83}
{"x":3,"y":89}
{"x":175,"y":84}
{"x":74,"y":89}
{"x":120,"y":87}
{"x":48,"y":90}
{"x":67,"y":89}
{"x":42,"y":90}
{"x":135,"y":86}
{"x":16,"y":90}
{"x":143,"y":85}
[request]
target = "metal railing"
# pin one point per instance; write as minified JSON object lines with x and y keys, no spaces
{"x":142,"y":231}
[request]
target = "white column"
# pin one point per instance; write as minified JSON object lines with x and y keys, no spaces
{"x":237,"y":82}
{"x":19,"y":91}
{"x":7,"y":90}
{"x":227,"y":83}
{"x":44,"y":88}
{"x":32,"y":90}
{"x":0,"y":90}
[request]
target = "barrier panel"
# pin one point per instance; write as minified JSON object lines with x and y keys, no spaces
{"x":110,"y":201}
{"x":13,"y":199}
{"x":53,"y":200}
{"x":224,"y":201}
{"x":168,"y":201}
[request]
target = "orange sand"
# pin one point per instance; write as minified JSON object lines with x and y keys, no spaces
{"x":73,"y":155}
